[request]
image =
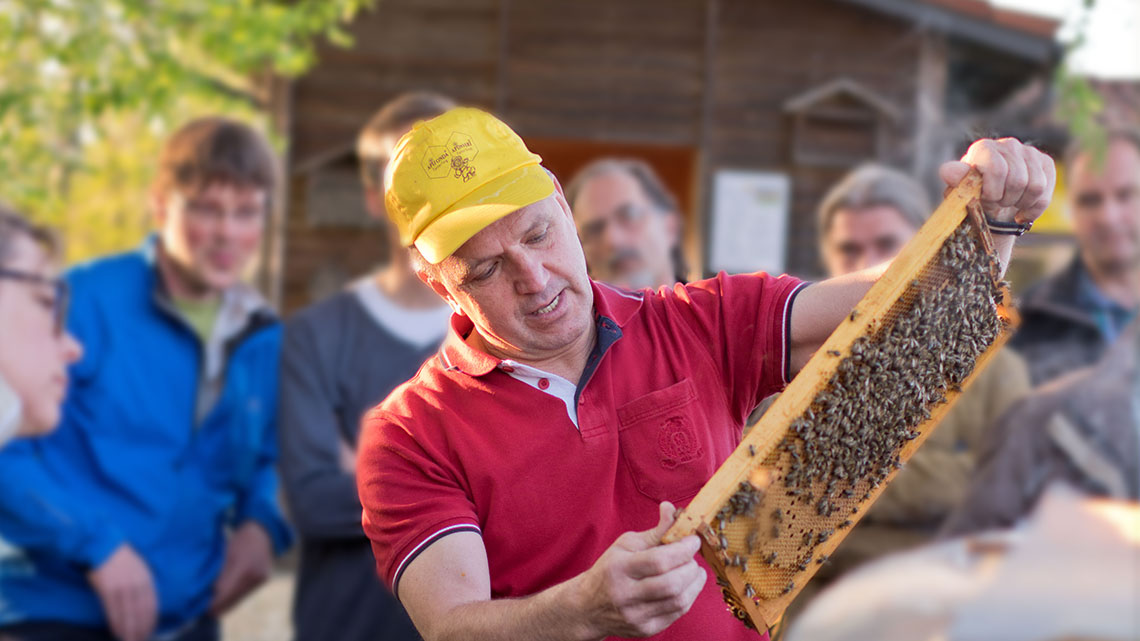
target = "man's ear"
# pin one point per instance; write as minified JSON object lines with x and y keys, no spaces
{"x":673,"y":228}
{"x":374,"y":202}
{"x":439,"y":290}
{"x":561,"y":197}
{"x":158,"y":202}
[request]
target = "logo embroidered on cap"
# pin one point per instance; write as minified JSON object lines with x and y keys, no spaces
{"x":451,"y":159}
{"x":677,"y":442}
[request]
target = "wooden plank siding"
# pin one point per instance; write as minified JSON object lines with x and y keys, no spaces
{"x":711,"y":76}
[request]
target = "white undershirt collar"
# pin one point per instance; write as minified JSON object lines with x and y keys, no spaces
{"x":551,"y":384}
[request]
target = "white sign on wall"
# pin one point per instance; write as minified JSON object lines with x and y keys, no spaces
{"x":749,"y":221}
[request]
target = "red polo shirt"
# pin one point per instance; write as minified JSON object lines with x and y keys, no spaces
{"x":666,"y":392}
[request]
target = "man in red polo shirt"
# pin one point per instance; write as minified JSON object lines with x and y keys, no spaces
{"x":507,"y":488}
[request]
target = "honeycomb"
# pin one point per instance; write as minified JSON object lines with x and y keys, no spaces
{"x":772,"y":514}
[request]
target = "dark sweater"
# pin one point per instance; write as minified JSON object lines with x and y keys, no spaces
{"x":337,"y":362}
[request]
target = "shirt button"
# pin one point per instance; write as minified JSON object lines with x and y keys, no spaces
{"x":507,"y":368}
{"x":543,"y":383}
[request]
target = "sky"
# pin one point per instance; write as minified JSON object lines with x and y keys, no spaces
{"x":1112,"y":33}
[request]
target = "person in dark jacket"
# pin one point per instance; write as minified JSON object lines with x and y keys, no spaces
{"x":152,"y":510}
{"x":1069,"y":319}
{"x":340,"y":358}
{"x":1082,"y":429}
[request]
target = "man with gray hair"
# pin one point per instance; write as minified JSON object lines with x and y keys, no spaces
{"x":628,"y":222}
{"x":867,"y":217}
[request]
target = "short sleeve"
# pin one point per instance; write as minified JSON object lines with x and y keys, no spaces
{"x":410,"y":493}
{"x":743,"y":320}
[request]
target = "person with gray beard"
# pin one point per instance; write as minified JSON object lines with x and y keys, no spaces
{"x":629,"y":224}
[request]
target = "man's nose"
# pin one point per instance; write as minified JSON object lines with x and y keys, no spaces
{"x":72,"y":348}
{"x":531,"y":274}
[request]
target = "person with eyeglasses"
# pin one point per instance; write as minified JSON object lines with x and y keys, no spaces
{"x":35,"y":349}
{"x":629,"y":224}
{"x":153,"y":509}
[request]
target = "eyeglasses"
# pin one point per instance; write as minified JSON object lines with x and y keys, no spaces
{"x":625,"y":217}
{"x":60,"y":293}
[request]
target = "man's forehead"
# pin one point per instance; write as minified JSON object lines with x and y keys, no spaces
{"x":224,"y":190}
{"x":612,"y":189}
{"x":1121,"y":158}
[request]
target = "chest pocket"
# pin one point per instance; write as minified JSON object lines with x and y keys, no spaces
{"x":665,"y":441}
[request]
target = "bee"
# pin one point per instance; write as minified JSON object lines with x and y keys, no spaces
{"x":789,"y":587}
{"x":833,"y":352}
{"x":751,"y":450}
{"x":723,"y":542}
{"x":822,"y":559}
{"x":854,"y":315}
{"x":749,"y":592}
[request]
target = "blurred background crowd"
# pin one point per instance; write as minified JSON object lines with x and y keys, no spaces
{"x":200,"y":294}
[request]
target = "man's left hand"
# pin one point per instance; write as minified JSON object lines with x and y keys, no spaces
{"x":1017,"y":180}
{"x":249,"y":560}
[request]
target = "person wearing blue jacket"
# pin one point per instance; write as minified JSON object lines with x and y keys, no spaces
{"x":153,"y":509}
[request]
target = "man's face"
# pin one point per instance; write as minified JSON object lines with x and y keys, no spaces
{"x":34,"y":351}
{"x":211,"y":235}
{"x":862,"y":238}
{"x":522,"y":282}
{"x":1106,"y":209}
{"x":626,"y":239}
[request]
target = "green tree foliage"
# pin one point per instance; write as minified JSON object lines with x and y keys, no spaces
{"x":89,"y":88}
{"x":1079,"y":106}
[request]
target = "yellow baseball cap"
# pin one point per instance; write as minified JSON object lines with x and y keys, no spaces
{"x":453,"y":175}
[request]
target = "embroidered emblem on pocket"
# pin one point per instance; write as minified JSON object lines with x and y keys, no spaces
{"x":677,"y":442}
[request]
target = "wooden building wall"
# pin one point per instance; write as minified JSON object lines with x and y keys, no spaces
{"x":707,"y":82}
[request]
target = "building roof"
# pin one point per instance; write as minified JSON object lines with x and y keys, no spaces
{"x":1013,"y":32}
{"x":1121,"y":101}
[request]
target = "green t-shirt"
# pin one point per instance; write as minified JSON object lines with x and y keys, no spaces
{"x":200,"y":315}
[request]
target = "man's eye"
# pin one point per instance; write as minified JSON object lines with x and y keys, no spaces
{"x":537,"y":238}
{"x":485,"y":274}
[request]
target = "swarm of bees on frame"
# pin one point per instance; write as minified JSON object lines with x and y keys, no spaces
{"x":849,"y":440}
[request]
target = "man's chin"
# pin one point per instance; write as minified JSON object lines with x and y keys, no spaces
{"x":218,"y":281}
{"x":636,"y":280}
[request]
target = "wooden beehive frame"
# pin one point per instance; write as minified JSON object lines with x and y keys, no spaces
{"x":745,"y":464}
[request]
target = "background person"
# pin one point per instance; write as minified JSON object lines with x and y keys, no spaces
{"x":152,"y":510}
{"x":35,"y":347}
{"x":629,"y":224}
{"x":1068,"y":320}
{"x":341,"y":357}
{"x":1081,"y":429}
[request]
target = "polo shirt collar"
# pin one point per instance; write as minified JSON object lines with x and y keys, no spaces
{"x":457,"y":354}
{"x":612,"y":309}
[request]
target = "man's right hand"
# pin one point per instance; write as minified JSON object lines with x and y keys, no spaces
{"x":126,"y":590}
{"x":639,"y":587}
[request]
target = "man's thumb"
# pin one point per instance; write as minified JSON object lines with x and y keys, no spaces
{"x":666,"y":520}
